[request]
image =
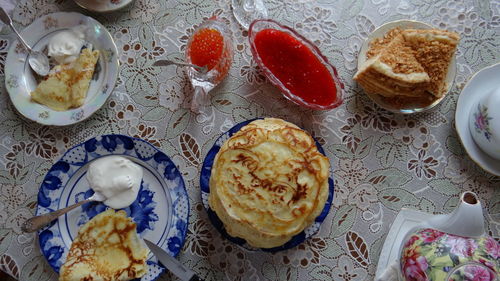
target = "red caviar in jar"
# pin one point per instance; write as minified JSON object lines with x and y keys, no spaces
{"x":206,"y":48}
{"x":296,"y":66}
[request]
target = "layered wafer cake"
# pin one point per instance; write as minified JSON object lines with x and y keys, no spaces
{"x":408,"y":63}
{"x":394,"y":71}
{"x":434,"y":50}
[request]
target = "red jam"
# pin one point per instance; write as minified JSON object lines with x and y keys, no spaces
{"x":296,"y":66}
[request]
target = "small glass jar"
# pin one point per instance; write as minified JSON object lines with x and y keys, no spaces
{"x":204,"y":81}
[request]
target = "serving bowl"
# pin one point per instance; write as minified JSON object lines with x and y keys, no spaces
{"x":259,"y":25}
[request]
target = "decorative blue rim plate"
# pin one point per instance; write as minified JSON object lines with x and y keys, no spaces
{"x":205,"y":191}
{"x":161,"y":210}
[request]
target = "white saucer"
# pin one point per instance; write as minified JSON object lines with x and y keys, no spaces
{"x":480,"y":84}
{"x":379,"y":33}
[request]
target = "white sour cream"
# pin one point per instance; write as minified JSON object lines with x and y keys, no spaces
{"x":65,"y":46}
{"x":117,"y":178}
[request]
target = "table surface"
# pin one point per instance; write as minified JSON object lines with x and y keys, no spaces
{"x":382,"y":161}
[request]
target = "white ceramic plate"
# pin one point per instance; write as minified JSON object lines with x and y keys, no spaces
{"x":379,"y":33}
{"x":103,"y":6}
{"x":20,"y":79}
{"x":480,"y":84}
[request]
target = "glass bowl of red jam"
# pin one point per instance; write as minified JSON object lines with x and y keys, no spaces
{"x":295,"y":65}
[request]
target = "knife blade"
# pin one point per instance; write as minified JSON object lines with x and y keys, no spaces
{"x":172,"y":264}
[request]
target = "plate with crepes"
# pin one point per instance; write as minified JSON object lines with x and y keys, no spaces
{"x":408,"y":102}
{"x":265,"y":187}
{"x":160,"y":211}
{"x":94,"y":85}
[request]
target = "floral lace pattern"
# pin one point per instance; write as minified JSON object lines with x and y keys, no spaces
{"x":382,"y":161}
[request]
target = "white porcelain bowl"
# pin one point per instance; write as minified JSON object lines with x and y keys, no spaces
{"x":484,"y":123}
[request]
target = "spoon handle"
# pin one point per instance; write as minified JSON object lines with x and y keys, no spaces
{"x":35,"y":223}
{"x":202,"y":69}
{"x":8,"y":21}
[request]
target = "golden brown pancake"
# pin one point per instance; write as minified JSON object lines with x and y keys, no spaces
{"x":66,"y":85}
{"x":106,"y":248}
{"x":268,"y":182}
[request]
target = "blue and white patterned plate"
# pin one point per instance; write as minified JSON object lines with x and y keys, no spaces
{"x":21,"y":81}
{"x":161,"y":210}
{"x":205,"y":191}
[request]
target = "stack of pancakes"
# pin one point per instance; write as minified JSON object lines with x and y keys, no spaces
{"x":106,"y":248}
{"x":410,"y":62}
{"x":268,"y":182}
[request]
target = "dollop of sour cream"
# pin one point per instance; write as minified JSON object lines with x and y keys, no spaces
{"x":65,"y":45}
{"x":117,"y":178}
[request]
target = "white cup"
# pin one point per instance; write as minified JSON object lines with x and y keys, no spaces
{"x":484,"y":123}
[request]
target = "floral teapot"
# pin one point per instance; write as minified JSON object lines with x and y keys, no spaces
{"x":452,"y":247}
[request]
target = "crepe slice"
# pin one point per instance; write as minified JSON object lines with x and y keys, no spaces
{"x":106,"y":248}
{"x":83,"y":71}
{"x":66,"y":85}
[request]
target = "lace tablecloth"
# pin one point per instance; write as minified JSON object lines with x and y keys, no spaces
{"x":382,"y":161}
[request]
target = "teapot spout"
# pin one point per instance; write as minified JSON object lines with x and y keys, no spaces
{"x":466,"y":220}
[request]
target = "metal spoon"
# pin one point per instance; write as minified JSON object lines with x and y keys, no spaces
{"x":37,"y":60}
{"x":35,"y":223}
{"x":201,"y":69}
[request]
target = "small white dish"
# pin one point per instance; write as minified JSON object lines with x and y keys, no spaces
{"x":480,"y":85}
{"x":103,"y":6}
{"x":407,"y":108}
{"x":484,"y":123}
{"x":20,"y":80}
